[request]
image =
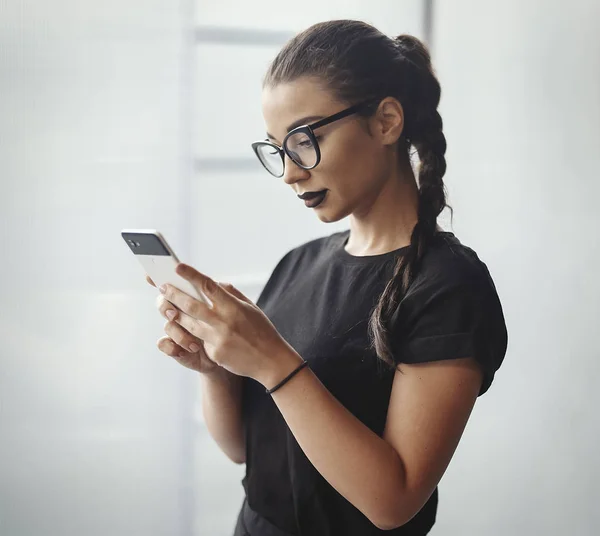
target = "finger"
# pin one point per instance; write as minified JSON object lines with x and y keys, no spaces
{"x":195,"y":328}
{"x":150,"y":281}
{"x":166,"y":308}
{"x":192,"y":326}
{"x":198,"y":361}
{"x":204,"y":284}
{"x":232,"y":290}
{"x":189,"y":305}
{"x":182,"y":337}
{"x":168,"y":346}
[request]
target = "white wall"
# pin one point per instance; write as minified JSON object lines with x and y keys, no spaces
{"x":94,"y":421}
{"x":521,"y":105}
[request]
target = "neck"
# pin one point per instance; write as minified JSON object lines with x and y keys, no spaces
{"x":387,"y":220}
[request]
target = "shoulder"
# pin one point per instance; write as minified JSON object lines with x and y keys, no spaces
{"x":451,"y":310}
{"x":449,"y":264}
{"x":311,"y":250}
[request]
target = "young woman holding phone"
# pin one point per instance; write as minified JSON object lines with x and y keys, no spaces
{"x":346,"y":388}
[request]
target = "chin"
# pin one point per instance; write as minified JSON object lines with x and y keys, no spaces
{"x":329,"y":216}
{"x":326,"y":219}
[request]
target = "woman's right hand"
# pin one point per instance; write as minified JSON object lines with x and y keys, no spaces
{"x":178,"y":340}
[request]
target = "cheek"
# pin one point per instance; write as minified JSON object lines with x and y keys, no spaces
{"x":352,"y":163}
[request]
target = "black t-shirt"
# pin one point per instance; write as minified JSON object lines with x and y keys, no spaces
{"x":320,"y":297}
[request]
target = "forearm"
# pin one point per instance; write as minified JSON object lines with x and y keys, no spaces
{"x":358,"y":463}
{"x":222,"y":410}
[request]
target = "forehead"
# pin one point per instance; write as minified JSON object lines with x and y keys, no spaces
{"x":287,"y":102}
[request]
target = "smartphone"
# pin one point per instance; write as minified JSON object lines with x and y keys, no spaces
{"x":158,"y":260}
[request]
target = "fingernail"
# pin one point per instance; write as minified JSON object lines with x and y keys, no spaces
{"x":171,"y":314}
{"x":194,"y":347}
{"x":162,"y":288}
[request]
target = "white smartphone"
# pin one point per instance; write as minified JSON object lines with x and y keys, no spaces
{"x":158,"y":260}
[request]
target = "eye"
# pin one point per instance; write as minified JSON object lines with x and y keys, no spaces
{"x":306,"y":144}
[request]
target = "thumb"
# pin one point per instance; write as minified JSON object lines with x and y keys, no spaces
{"x":232,"y":290}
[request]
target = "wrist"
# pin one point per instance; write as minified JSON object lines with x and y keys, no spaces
{"x":287,"y":362}
{"x":218,"y":374}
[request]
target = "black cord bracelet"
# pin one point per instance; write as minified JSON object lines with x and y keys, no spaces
{"x":288,"y":378}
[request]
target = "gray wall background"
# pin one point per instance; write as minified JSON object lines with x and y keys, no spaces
{"x":521,"y":111}
{"x":140,"y":114}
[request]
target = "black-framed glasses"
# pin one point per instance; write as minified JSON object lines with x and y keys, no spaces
{"x":300,"y":144}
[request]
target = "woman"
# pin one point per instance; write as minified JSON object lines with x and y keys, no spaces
{"x":347,"y":387}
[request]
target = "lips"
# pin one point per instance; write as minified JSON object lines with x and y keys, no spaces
{"x":316,"y":200}
{"x":311,"y":195}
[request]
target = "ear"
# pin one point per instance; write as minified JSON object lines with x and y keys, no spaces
{"x":388,"y":121}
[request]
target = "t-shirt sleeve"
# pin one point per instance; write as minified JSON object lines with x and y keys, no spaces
{"x":452,"y":316}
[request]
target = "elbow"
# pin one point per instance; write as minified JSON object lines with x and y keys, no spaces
{"x":394,"y":517}
{"x":237,"y":459}
{"x":393,"y":522}
{"x":236,"y":454}
{"x":388,"y":518}
{"x":390,"y":523}
{"x":393,"y":509}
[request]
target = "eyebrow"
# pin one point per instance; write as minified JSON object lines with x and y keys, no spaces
{"x":299,"y":122}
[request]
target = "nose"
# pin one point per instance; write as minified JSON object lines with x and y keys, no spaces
{"x":293,"y":172}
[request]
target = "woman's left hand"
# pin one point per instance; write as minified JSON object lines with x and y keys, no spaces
{"x":237,"y":335}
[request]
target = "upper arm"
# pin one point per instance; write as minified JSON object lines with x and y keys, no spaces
{"x":448,"y":338}
{"x":428,"y":410}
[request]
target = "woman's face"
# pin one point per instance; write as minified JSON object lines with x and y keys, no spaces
{"x":354,"y":163}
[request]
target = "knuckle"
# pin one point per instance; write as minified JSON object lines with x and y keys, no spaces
{"x":187,"y":304}
{"x":225,"y":331}
{"x":209,"y":285}
{"x":235,"y":321}
{"x":198,"y":307}
{"x":221,"y":343}
{"x":193,"y":328}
